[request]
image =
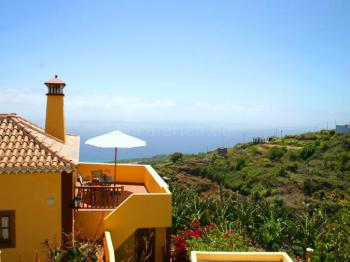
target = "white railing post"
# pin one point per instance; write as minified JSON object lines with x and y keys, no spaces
{"x":308,"y":254}
{"x":108,"y":247}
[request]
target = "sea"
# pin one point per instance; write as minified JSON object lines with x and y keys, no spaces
{"x":166,"y":139}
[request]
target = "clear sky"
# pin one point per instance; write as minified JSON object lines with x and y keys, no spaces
{"x":245,"y":63}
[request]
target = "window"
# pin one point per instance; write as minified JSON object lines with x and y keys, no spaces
{"x":7,"y":229}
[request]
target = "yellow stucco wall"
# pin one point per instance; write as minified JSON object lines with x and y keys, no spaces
{"x":125,"y":252}
{"x":138,"y":211}
{"x":125,"y":173}
{"x":138,"y":174}
{"x":55,"y":124}
{"x":30,"y":195}
{"x":89,"y":223}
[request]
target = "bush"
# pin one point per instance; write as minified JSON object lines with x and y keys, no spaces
{"x":345,"y":140}
{"x":240,"y":163}
{"x":293,"y":155}
{"x":307,"y":152}
{"x":312,"y":185}
{"x":343,"y":161}
{"x":176,"y":157}
{"x":308,"y":187}
{"x":324,"y":146}
{"x":218,"y":240}
{"x":292,"y":167}
{"x":282,"y":171}
{"x":74,"y":248}
{"x":276,"y":153}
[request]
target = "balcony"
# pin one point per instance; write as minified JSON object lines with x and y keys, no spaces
{"x":104,"y":197}
{"x":99,"y":197}
{"x":138,"y":199}
{"x":130,"y":179}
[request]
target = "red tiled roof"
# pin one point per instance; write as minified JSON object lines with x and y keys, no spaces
{"x":25,"y":147}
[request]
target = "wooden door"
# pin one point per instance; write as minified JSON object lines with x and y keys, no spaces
{"x":66,"y":202}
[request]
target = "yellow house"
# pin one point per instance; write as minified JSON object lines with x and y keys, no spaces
{"x":44,"y":192}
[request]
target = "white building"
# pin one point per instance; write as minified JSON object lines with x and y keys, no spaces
{"x":342,"y":129}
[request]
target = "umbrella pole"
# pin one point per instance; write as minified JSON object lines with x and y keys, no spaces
{"x":115,"y":165}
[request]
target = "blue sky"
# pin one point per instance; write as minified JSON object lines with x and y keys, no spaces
{"x":233,"y":63}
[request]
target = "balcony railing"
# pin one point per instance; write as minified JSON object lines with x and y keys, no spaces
{"x":98,"y":197}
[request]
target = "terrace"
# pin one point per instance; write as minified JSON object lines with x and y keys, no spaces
{"x":96,"y":189}
{"x":139,"y":198}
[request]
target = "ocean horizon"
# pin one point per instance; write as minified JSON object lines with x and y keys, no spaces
{"x":162,"y":140}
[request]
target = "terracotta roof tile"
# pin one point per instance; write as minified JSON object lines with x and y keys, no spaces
{"x":25,"y":147}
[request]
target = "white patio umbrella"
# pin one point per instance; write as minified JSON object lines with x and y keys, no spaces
{"x":115,"y":139}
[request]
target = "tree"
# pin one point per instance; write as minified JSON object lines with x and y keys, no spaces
{"x":176,"y":157}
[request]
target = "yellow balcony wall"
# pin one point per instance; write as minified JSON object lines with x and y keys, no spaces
{"x":90,"y":223}
{"x":140,"y":210}
{"x":198,"y":256}
{"x":125,"y":173}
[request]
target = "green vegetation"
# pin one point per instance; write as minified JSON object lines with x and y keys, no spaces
{"x":74,"y":248}
{"x":244,"y":224}
{"x":176,"y":157}
{"x":289,"y":194}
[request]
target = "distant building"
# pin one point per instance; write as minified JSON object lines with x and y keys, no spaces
{"x":342,"y":129}
{"x":222,"y":151}
{"x":259,"y":140}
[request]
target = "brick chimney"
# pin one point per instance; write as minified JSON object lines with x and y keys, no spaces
{"x":55,"y":125}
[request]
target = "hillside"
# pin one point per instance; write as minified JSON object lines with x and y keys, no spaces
{"x":299,"y":168}
{"x":285,"y":195}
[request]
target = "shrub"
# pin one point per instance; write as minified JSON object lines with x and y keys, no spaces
{"x":241,"y":162}
{"x":176,"y":157}
{"x":74,"y":248}
{"x":308,"y":187}
{"x":343,"y":161}
{"x":180,"y":245}
{"x":276,"y":153}
{"x":324,"y":146}
{"x":307,"y":152}
{"x":218,"y":240}
{"x":293,"y":167}
{"x":282,"y":171}
{"x":312,"y":185}
{"x":293,"y":155}
{"x":345,"y":140}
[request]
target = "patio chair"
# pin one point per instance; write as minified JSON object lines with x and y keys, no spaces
{"x":106,"y":180}
{"x":96,"y":174}
{"x":82,"y":181}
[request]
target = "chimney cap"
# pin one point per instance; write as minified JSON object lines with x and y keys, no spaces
{"x":56,"y":81}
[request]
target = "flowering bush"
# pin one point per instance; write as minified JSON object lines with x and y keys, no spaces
{"x":217,"y":240}
{"x":179,"y":245}
{"x":208,"y":238}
